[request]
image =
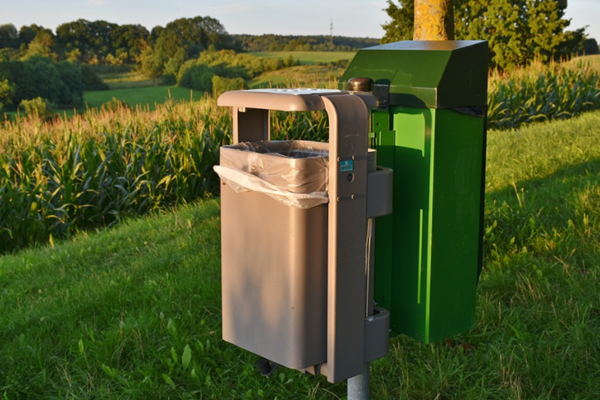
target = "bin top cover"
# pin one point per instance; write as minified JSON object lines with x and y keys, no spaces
{"x":432,"y":74}
{"x":285,"y":99}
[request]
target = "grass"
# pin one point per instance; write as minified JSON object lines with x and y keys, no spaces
{"x":134,"y":312}
{"x":128,"y":313}
{"x":128,"y":80}
{"x":131,"y":88}
{"x":299,"y":76}
{"x":309,"y":57}
{"x":147,"y":97}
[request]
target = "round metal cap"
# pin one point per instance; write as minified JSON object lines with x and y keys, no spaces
{"x":360,"y":84}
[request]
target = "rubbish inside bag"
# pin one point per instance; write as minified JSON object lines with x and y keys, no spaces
{"x":294,"y":172}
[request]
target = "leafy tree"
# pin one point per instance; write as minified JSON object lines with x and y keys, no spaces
{"x":129,"y":39}
{"x":38,"y":77}
{"x":27,"y":34}
{"x":101,"y":37}
{"x":6,"y":93}
{"x":59,"y":83}
{"x":41,"y":45}
{"x":193,"y":35}
{"x":75,"y":35}
{"x":91,"y":81}
{"x":221,"y":85}
{"x":270,"y":42}
{"x":576,"y":43}
{"x":590,"y":46}
{"x":71,"y":75}
{"x":5,"y":65}
{"x":402,"y":23}
{"x":9,"y":37}
{"x":544,"y":31}
{"x":174,"y":64}
{"x":92,"y":39}
{"x":149,"y":65}
{"x":198,"y":77}
{"x":518,"y":31}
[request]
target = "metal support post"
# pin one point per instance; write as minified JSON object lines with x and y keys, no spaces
{"x":358,"y":386}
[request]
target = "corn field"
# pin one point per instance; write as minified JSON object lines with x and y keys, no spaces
{"x":543,"y":92}
{"x":92,"y":170}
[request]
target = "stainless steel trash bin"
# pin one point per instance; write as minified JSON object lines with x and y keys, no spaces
{"x":274,"y":261}
{"x":295,"y":267}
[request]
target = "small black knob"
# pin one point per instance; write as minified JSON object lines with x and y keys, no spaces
{"x":360,"y":84}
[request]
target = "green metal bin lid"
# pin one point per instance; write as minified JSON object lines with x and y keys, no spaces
{"x":431,"y":74}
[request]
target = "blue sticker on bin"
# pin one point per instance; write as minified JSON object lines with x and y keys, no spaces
{"x":346,"y":165}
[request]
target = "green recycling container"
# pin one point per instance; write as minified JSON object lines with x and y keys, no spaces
{"x":430,"y":128}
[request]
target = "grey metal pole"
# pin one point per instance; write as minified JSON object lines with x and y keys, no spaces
{"x":358,"y":386}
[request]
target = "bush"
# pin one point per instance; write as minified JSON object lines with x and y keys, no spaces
{"x":221,"y":84}
{"x":197,"y":77}
{"x":38,"y":77}
{"x":72,"y":91}
{"x":6,"y":92}
{"x":169,"y":79}
{"x":59,"y":83}
{"x":115,"y":105}
{"x":197,"y":74}
{"x":39,"y":107}
{"x":289,"y":61}
{"x":90,"y":80}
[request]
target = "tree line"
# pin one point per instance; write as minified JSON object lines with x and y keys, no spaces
{"x":101,"y":42}
{"x":35,"y":62}
{"x":518,"y":31}
{"x":272,"y":42}
{"x":153,"y":52}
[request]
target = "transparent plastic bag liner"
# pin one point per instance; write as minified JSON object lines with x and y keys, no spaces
{"x":292,"y":172}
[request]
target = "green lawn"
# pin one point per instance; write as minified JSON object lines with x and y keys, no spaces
{"x":309,"y":57}
{"x":299,"y":76}
{"x":134,"y":312}
{"x":128,"y":80}
{"x":143,"y":96}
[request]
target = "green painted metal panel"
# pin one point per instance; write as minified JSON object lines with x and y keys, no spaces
{"x":411,"y":215}
{"x":428,"y":281}
{"x":384,"y":243}
{"x":455,"y":207}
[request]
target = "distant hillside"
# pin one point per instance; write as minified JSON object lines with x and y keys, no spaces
{"x":256,"y":43}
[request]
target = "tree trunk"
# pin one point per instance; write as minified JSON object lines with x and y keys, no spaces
{"x":434,"y":20}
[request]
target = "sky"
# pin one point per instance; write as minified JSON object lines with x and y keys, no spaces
{"x":307,"y":17}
